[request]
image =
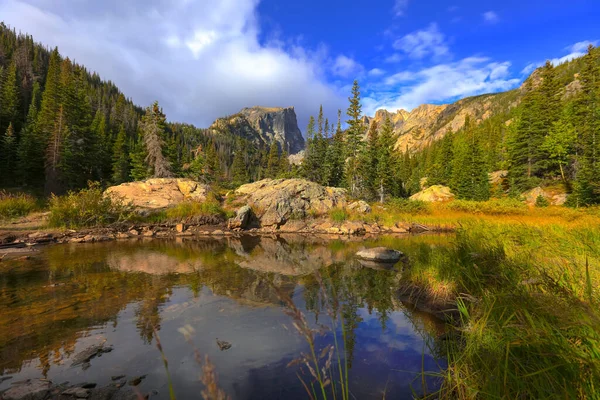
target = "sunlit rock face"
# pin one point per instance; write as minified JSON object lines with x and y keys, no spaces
{"x":263,"y":126}
{"x":159,"y":193}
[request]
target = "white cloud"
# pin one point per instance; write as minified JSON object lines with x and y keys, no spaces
{"x":376,"y":72}
{"x":400,"y":7}
{"x":423,"y":43}
{"x":393,"y":58}
{"x":200,"y":59}
{"x":441,"y":83}
{"x":490,"y":17}
{"x":575,"y":50}
{"x":346,"y":67}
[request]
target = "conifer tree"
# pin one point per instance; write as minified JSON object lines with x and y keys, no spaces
{"x":284,"y":165}
{"x":559,"y":143}
{"x":8,"y":156}
{"x":335,"y":158}
{"x":31,"y":148}
{"x":139,"y":169}
{"x":153,"y":130}
{"x":273,"y":162}
{"x":310,"y":165}
{"x":386,"y":181}
{"x":120,"y":158}
{"x":55,"y":153}
{"x":368,"y":161}
{"x":10,"y":99}
{"x":239,"y":172}
{"x":354,"y":143}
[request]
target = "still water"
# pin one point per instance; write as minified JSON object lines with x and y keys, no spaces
{"x":67,"y":298}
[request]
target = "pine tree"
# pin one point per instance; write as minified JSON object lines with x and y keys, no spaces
{"x":273,"y":162}
{"x":10,"y":99}
{"x":239,"y":172}
{"x":153,"y":130}
{"x":386,"y":181}
{"x":8,"y":156}
{"x":120,"y":158}
{"x":335,"y":158}
{"x":55,"y":153}
{"x":354,"y":143}
{"x":368,"y":161}
{"x":140,"y":170}
{"x":31,"y":149}
{"x":284,"y":165}
{"x":310,"y":165}
{"x":559,"y":144}
{"x":440,"y":171}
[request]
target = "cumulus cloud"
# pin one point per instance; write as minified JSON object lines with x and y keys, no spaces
{"x":200,"y":59}
{"x":490,"y":17}
{"x":441,"y":83}
{"x":422,"y":43}
{"x":400,"y":7}
{"x":575,"y":50}
{"x":346,"y":67}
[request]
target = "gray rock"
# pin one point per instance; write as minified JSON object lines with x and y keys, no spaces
{"x":77,"y":392}
{"x":241,"y":219}
{"x":31,"y":389}
{"x":380,"y":254}
{"x":360,"y":206}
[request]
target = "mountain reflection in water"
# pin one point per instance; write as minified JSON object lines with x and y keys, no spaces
{"x":72,"y":296}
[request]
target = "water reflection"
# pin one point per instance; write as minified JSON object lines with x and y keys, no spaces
{"x":74,"y":296}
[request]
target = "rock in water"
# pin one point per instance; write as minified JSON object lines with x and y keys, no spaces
{"x":223,"y":345}
{"x":380,"y":254}
{"x":31,"y":389}
{"x":241,"y":219}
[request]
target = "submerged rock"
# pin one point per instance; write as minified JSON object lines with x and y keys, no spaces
{"x":380,"y":254}
{"x":31,"y":389}
{"x":241,"y":219}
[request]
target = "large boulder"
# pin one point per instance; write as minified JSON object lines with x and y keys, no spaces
{"x":275,"y":201}
{"x":159,"y":193}
{"x":380,"y":254}
{"x":554,"y":196}
{"x":360,"y":206}
{"x":435,"y":193}
{"x":241,"y":219}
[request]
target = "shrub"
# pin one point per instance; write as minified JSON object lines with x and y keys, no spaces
{"x":15,"y":205}
{"x":88,"y":207}
{"x":409,"y":206}
{"x":191,"y":209}
{"x":541,"y":201}
{"x":338,"y":214}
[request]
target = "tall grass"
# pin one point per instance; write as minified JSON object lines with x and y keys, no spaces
{"x":526,"y":298}
{"x":15,"y":205}
{"x":86,"y":208}
{"x":190,"y":209}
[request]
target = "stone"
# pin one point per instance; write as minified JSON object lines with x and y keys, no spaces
{"x":497,"y":177}
{"x":293,"y":226}
{"x":148,"y":233}
{"x":554,"y":196}
{"x":179,"y":228}
{"x":276,"y":201}
{"x":31,"y":389}
{"x":360,"y":206}
{"x":122,"y":235}
{"x":352,"y":228}
{"x":435,"y":193}
{"x":159,"y":193}
{"x":380,"y":254}
{"x":134,"y":232}
{"x":241,"y":219}
{"x":217,"y":232}
{"x":77,"y":392}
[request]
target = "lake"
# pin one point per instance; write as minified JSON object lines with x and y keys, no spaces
{"x":68,"y":298}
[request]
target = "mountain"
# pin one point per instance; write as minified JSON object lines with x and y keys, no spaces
{"x":428,"y":123}
{"x":263,"y":126}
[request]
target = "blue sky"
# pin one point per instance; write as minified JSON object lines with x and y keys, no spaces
{"x":204,"y":59}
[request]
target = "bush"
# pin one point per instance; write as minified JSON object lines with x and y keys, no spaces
{"x":409,"y":206}
{"x":15,"y":205}
{"x":191,"y":209}
{"x":89,"y":207}
{"x":541,"y":201}
{"x":338,"y":214}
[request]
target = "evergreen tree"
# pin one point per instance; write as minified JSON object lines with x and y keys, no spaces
{"x":440,"y":171}
{"x":239,"y":172}
{"x":8,"y":156}
{"x":10,"y":99}
{"x":386,"y":183}
{"x":335,"y":158}
{"x":559,"y":143}
{"x":153,"y":130}
{"x":310,"y":165}
{"x":140,"y":170}
{"x":284,"y":165}
{"x":354,"y":142}
{"x":30,"y":153}
{"x":120,"y":158}
{"x":368,"y":161}
{"x":273,"y":163}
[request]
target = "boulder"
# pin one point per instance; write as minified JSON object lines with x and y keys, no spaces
{"x":241,"y":219}
{"x":554,"y":197}
{"x":360,"y":206}
{"x":159,"y":193}
{"x":380,"y":254}
{"x":275,"y":201}
{"x":435,"y":193}
{"x":31,"y":389}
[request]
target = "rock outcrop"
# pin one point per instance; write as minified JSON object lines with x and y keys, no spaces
{"x":432,"y":194}
{"x":360,"y":206}
{"x":278,"y":201}
{"x":554,"y":197}
{"x":241,"y":219}
{"x":264,"y":126}
{"x":159,"y":192}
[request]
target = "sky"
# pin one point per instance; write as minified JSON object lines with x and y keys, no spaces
{"x":203,"y":59}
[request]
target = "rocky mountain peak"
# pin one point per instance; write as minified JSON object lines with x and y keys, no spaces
{"x":276,"y":124}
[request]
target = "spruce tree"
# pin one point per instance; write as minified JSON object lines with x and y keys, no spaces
{"x":120,"y":158}
{"x":153,"y":131}
{"x":140,"y":170}
{"x":273,"y":162}
{"x":310,"y":165}
{"x":8,"y":149}
{"x":368,"y":161}
{"x":386,"y":182}
{"x":354,"y":142}
{"x":10,"y":99}
{"x":31,"y":149}
{"x":239,"y":172}
{"x":335,"y":158}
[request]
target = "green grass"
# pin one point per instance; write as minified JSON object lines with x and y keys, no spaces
{"x":87,"y":208}
{"x":338,"y":214}
{"x":528,"y":302}
{"x":16,"y":205}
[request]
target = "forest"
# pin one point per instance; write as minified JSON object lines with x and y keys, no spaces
{"x":63,"y":126}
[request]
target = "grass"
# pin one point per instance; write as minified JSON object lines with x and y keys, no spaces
{"x":190,"y":209}
{"x":527,"y":298}
{"x":339,"y":214}
{"x":87,"y":208}
{"x":16,"y":205}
